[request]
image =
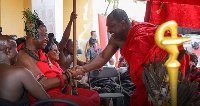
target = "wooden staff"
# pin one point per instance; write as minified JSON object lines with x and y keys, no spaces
{"x":74,"y":36}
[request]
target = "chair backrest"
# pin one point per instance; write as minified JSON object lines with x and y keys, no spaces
{"x":46,"y":102}
{"x":105,"y":73}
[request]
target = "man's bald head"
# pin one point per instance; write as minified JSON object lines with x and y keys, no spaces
{"x":5,"y":42}
{"x":8,"y":49}
{"x":119,"y":14}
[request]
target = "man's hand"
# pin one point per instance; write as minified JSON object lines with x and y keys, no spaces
{"x":79,"y":77}
{"x":78,"y":71}
{"x":73,"y":16}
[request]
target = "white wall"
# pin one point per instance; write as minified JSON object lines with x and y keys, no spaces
{"x":135,"y":11}
{"x":58,"y":19}
{"x":51,"y":13}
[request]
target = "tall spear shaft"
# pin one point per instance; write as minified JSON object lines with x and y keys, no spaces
{"x":74,"y":36}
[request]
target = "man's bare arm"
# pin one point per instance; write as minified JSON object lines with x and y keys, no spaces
{"x":97,"y":42}
{"x":80,"y":62}
{"x":26,"y":61}
{"x":86,"y":47}
{"x":65,"y":36}
{"x":64,"y":40}
{"x":66,"y":33}
{"x":31,"y":85}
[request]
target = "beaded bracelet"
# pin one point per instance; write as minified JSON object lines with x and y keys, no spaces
{"x":67,"y":75}
{"x":40,"y":76}
{"x":70,"y":71}
{"x":62,"y":82}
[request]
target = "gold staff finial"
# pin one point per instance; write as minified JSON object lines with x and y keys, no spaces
{"x":170,"y":44}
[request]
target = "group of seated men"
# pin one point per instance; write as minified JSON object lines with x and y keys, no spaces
{"x":38,"y":69}
{"x":33,"y":73}
{"x":35,"y":67}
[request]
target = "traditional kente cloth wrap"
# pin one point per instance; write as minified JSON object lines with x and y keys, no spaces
{"x":107,"y":84}
{"x":85,"y":97}
{"x":138,"y":48}
{"x":127,"y":84}
{"x":24,"y":101}
{"x":128,"y":88}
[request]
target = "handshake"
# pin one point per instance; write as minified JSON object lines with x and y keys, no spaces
{"x":80,"y":71}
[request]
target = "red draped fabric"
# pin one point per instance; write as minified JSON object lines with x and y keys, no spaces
{"x":185,"y":12}
{"x":139,"y":48}
{"x":85,"y":97}
{"x":192,"y":2}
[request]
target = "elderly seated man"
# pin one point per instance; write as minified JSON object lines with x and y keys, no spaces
{"x":16,"y":81}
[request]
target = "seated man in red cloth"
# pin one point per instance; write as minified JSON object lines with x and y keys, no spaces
{"x":16,"y":81}
{"x":195,"y":71}
{"x":46,"y":70}
{"x":137,"y":45}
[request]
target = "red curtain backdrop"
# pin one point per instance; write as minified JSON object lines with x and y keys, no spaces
{"x":185,"y":12}
{"x":102,"y":31}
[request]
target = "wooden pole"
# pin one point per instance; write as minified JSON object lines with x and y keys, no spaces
{"x":74,"y":36}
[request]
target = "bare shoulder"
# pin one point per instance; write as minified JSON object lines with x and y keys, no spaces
{"x":16,"y":72}
{"x":113,"y":43}
{"x":28,"y":62}
{"x":21,"y":75}
{"x":21,"y":70}
{"x":23,"y":55}
{"x":116,"y":43}
{"x":23,"y":58}
{"x":14,"y":75}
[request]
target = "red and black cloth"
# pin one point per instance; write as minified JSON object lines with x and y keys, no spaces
{"x":140,"y":47}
